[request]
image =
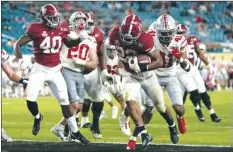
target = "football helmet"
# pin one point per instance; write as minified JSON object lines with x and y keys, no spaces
{"x":90,"y":23}
{"x":182,"y":29}
{"x":166,"y":28}
{"x":111,"y":51}
{"x":77,"y":21}
{"x":130,"y":29}
{"x":50,"y":16}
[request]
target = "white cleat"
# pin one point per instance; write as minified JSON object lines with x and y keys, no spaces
{"x":5,"y":137}
{"x":103,"y":115}
{"x":58,"y":131}
{"x":124,"y":125}
{"x":114,"y":112}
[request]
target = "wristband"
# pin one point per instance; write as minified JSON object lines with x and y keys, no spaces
{"x":143,"y":67}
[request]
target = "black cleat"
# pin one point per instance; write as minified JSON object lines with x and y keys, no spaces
{"x":36,"y":125}
{"x":200,"y":115}
{"x":78,"y":136}
{"x":146,"y":139}
{"x":215,"y":118}
{"x":87,"y":125}
{"x":174,"y":134}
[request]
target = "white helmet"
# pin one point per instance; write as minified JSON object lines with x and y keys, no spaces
{"x":165,"y":28}
{"x":182,"y":29}
{"x":77,"y":21}
{"x":90,"y":23}
{"x":110,"y":50}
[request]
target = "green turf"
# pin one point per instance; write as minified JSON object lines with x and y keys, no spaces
{"x":17,"y":121}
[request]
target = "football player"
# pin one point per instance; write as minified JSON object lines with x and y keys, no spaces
{"x":93,"y":81}
{"x":13,"y":77}
{"x":172,"y":47}
{"x":75,"y":60}
{"x":196,"y":55}
{"x":130,"y":41}
{"x":48,"y":37}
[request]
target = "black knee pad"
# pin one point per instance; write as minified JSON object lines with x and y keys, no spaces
{"x":97,"y":108}
{"x":33,"y":107}
{"x":66,"y":111}
{"x":195,"y":97}
{"x":205,"y":99}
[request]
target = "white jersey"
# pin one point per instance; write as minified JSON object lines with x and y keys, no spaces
{"x":178,"y":42}
{"x":112,"y":65}
{"x":81,"y":51}
{"x":5,"y":57}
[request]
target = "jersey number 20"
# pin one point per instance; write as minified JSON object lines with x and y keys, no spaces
{"x":79,"y":51}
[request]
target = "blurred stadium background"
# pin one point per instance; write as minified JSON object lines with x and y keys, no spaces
{"x":212,"y":22}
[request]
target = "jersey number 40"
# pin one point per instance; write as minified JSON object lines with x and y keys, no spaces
{"x":51,"y":45}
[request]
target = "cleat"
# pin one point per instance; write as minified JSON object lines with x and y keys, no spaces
{"x":58,"y":131}
{"x":78,"y":122}
{"x":124,"y":125}
{"x":114,"y":112}
{"x":131,"y":145}
{"x":36,"y":125}
{"x":200,"y":115}
{"x":215,"y":118}
{"x":174,"y":134}
{"x":86,"y":125}
{"x":78,"y":136}
{"x":5,"y":137}
{"x":182,"y":125}
{"x":96,"y":133}
{"x":146,"y":140}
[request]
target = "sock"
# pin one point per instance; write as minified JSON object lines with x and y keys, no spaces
{"x":72,"y":124}
{"x":133,"y":138}
{"x":85,"y":119}
{"x":197,"y":107}
{"x":138,"y":130}
{"x":211,"y":111}
{"x":97,"y":108}
{"x":169,"y":121}
{"x":37,"y":116}
{"x":179,"y":117}
{"x":33,"y":107}
{"x":173,"y":124}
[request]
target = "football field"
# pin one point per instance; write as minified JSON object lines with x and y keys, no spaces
{"x":17,"y":121}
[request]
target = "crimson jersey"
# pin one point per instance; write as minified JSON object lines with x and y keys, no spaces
{"x":143,"y":45}
{"x":99,"y":37}
{"x":47,"y":42}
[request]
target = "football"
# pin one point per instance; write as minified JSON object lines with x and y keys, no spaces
{"x":143,"y":59}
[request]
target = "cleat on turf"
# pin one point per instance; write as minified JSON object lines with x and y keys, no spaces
{"x":181,"y":125}
{"x":174,"y":136}
{"x":215,"y":118}
{"x":131,"y":145}
{"x":86,"y":125}
{"x":146,"y":140}
{"x":78,"y":136}
{"x":59,"y":132}
{"x":36,"y":125}
{"x":96,"y":133}
{"x":200,"y":115}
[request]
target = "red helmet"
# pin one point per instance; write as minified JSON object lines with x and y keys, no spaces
{"x":182,"y":29}
{"x":50,"y":16}
{"x":90,"y":23}
{"x":130,"y":29}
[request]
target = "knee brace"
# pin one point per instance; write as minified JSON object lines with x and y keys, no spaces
{"x":205,"y":99}
{"x":195,"y":97}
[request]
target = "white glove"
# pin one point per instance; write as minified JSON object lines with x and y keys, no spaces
{"x":23,"y":65}
{"x":106,"y":76}
{"x":134,"y":66}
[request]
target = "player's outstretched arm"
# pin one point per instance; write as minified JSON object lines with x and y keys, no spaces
{"x":69,"y":42}
{"x":156,"y":60}
{"x":19,"y":43}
